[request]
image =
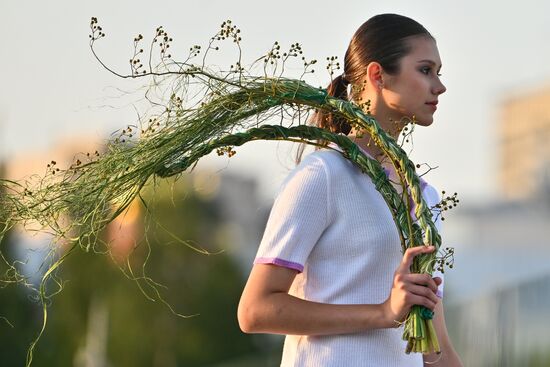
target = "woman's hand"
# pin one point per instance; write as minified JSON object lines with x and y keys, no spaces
{"x":410,"y":289}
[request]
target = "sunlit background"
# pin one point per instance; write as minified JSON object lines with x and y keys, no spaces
{"x":490,"y":143}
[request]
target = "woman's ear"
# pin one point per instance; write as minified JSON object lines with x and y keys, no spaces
{"x":375,"y":75}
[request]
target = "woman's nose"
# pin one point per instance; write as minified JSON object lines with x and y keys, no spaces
{"x":439,"y":88}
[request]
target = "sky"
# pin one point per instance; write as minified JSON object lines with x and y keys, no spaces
{"x":53,"y":88}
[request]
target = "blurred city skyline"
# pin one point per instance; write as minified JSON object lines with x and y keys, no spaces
{"x":55,"y":89}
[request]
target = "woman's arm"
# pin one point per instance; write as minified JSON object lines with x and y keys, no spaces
{"x":266,"y":306}
{"x":448,"y":356}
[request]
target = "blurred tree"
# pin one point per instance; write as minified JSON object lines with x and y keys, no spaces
{"x":19,"y":317}
{"x":102,"y":318}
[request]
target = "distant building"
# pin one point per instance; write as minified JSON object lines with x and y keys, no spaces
{"x":524,"y":145}
{"x":244,"y":213}
{"x":497,"y":293}
{"x":505,"y":328}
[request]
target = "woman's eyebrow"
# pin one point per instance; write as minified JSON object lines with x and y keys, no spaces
{"x":431,"y":62}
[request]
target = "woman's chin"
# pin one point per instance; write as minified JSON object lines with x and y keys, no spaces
{"x":424,"y":120}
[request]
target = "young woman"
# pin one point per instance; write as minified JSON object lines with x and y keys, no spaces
{"x":329,"y":272}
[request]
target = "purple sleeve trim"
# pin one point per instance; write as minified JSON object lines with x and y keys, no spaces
{"x":280,"y":262}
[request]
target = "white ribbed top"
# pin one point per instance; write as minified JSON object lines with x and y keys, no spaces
{"x":330,"y":220}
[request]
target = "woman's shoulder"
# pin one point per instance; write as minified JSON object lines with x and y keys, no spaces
{"x":331,"y":160}
{"x":321,"y":167}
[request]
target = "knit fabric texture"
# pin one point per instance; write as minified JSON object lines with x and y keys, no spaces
{"x":331,"y":225}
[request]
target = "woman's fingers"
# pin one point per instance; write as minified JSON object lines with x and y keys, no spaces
{"x":410,"y":254}
{"x":422,"y":301}
{"x":424,"y":280}
{"x":421,"y":285}
{"x":424,"y":292}
{"x":410,"y":288}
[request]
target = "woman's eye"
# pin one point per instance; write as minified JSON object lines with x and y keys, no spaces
{"x":425,"y":70}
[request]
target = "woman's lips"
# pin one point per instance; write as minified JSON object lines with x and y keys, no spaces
{"x":433,"y":105}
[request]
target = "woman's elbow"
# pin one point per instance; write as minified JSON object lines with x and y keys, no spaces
{"x":264,"y":298}
{"x":248,"y":317}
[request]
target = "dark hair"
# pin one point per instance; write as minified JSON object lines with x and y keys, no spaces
{"x":382,"y":38}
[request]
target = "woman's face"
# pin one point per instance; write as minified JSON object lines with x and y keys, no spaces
{"x":414,"y":91}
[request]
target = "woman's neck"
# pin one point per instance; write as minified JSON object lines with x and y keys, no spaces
{"x":367,"y":143}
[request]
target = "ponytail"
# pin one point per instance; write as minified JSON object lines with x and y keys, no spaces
{"x":337,"y":88}
{"x":337,"y":124}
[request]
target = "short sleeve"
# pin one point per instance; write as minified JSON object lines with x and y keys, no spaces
{"x":298,"y":217}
